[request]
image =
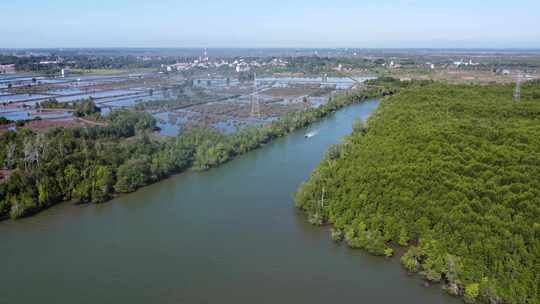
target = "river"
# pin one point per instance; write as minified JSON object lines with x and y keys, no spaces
{"x":229,"y":235}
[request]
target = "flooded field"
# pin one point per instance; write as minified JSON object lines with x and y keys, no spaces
{"x":177,"y":101}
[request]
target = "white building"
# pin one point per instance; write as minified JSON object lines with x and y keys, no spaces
{"x":7,"y":68}
{"x":242,"y":67}
{"x":64,"y":72}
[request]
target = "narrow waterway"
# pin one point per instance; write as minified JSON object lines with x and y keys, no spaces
{"x":229,"y":235}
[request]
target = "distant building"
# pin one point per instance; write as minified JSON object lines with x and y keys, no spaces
{"x":204,"y":57}
{"x":242,"y":67}
{"x":465,"y":63}
{"x":501,"y":71}
{"x":221,"y":63}
{"x":64,"y":72}
{"x":471,"y":63}
{"x":278,"y":62}
{"x":7,"y":68}
{"x":325,"y":78}
{"x":49,"y":62}
{"x":181,"y":66}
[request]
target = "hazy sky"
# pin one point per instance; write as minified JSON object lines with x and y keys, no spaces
{"x":273,"y":23}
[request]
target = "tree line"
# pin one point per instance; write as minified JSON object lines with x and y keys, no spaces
{"x":81,"y":108}
{"x":79,"y":61}
{"x":93,"y":164}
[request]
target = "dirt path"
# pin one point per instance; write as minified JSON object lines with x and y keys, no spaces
{"x":90,"y":122}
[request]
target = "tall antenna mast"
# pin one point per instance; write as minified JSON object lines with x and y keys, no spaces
{"x":204,"y":55}
{"x":255,"y":105}
{"x":517,"y":90}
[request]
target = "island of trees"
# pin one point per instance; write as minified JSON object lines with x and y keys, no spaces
{"x":449,"y":178}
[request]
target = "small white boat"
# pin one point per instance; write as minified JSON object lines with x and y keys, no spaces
{"x":310,"y":134}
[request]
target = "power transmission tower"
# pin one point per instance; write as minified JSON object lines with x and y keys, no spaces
{"x":255,"y":105}
{"x":325,"y":78}
{"x":517,"y":90}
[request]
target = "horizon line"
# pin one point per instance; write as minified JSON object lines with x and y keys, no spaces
{"x":269,"y":48}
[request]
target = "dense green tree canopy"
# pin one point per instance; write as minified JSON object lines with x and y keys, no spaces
{"x":451,"y":172}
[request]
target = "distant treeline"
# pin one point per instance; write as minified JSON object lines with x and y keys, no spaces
{"x":5,"y":121}
{"x":83,"y":107}
{"x":318,"y":65}
{"x":92,"y":164}
{"x":452,"y":173}
{"x":84,"y":62}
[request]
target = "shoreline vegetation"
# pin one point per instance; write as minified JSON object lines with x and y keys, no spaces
{"x":450,"y":174}
{"x":93,"y":164}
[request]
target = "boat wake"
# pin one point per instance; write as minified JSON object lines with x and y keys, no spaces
{"x":311,"y":134}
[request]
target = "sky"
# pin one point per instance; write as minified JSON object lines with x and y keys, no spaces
{"x":272,"y":23}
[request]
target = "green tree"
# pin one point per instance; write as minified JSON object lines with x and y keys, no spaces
{"x":471,"y":292}
{"x":103,"y":185}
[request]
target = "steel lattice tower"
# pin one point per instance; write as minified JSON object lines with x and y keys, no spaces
{"x":255,"y":105}
{"x":517,"y":90}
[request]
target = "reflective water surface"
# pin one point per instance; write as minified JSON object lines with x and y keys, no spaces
{"x":230,"y":235}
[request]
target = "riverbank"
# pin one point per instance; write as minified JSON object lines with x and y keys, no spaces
{"x":98,"y":162}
